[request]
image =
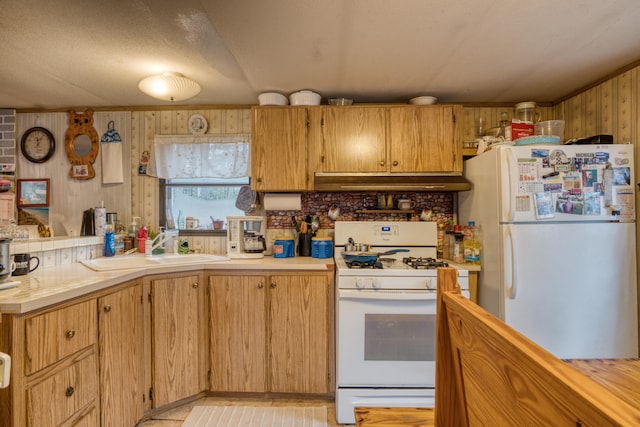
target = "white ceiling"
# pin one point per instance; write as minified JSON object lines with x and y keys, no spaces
{"x":74,"y":53}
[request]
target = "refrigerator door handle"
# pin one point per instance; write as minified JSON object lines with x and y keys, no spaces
{"x":512,"y":287}
{"x":509,"y":164}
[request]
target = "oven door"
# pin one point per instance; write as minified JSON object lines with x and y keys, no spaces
{"x":386,"y":338}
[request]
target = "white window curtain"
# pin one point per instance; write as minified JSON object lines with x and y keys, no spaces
{"x":200,"y":156}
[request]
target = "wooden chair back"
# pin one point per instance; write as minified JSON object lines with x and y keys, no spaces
{"x":488,"y":374}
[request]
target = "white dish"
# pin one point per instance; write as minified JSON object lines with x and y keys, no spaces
{"x":304,"y":97}
{"x":423,"y":100}
{"x":198,"y":124}
{"x":272,"y":98}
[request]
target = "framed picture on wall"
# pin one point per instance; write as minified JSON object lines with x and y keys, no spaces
{"x":33,"y":192}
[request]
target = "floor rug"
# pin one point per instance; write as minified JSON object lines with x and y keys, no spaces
{"x":257,"y":416}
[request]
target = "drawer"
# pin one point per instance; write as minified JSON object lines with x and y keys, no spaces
{"x":54,"y":335}
{"x":63,"y":394}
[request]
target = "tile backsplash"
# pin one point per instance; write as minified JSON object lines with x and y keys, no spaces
{"x":352,"y":204}
{"x":60,"y":250}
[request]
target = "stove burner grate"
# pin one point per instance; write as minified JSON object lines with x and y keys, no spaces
{"x":365,"y":264}
{"x":423,"y":262}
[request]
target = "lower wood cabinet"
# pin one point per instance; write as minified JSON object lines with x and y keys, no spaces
{"x":121,"y":339}
{"x":58,"y":397}
{"x":177,"y":336}
{"x":54,"y":371}
{"x":107,"y":358}
{"x":271,"y":333}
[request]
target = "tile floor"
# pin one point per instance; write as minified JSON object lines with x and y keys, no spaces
{"x":176,"y":416}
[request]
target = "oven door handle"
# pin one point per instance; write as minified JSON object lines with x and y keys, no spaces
{"x":388,"y":295}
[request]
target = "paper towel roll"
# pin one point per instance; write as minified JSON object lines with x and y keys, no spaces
{"x":100,"y":220}
{"x":282,"y":202}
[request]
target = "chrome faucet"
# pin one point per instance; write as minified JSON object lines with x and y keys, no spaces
{"x":166,"y":239}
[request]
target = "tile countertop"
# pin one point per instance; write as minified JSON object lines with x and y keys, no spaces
{"x":53,"y":285}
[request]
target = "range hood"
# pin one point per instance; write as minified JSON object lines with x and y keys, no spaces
{"x":389,"y":182}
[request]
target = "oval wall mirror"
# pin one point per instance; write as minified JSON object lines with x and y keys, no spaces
{"x":81,"y":144}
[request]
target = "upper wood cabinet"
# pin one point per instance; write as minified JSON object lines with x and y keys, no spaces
{"x":290,"y":144}
{"x":390,"y":139}
{"x":279,"y":149}
{"x":425,"y":139}
{"x":353,"y":139}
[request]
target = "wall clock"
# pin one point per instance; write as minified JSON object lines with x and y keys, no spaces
{"x":37,"y":144}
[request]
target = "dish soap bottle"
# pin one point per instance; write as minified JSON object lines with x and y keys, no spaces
{"x":133,"y":228}
{"x":109,"y":241}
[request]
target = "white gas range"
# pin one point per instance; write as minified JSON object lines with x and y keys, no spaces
{"x":385,"y":316}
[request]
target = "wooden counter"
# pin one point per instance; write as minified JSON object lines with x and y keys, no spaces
{"x":620,"y":376}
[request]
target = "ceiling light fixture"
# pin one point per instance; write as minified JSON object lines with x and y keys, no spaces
{"x":169,"y":86}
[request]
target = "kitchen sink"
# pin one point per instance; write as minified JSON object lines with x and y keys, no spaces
{"x":141,"y":261}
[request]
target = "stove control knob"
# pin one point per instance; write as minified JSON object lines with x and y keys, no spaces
{"x":431,"y":284}
{"x":375,"y":284}
{"x":360,"y":284}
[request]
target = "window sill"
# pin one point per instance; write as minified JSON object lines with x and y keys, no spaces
{"x":186,"y":232}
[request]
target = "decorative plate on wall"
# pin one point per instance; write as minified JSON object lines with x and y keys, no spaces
{"x":198,"y":124}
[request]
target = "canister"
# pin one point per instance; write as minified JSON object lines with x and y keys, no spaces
{"x":321,"y":247}
{"x":284,"y":247}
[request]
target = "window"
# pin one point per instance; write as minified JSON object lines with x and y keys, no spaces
{"x":201,"y":199}
{"x":201,"y":176}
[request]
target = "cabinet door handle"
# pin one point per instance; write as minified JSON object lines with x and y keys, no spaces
{"x":273,"y":285}
{"x":69,"y":391}
{"x":107,"y":308}
{"x":395,"y":163}
{"x":70,"y":334}
{"x":260,"y":285}
{"x":195,"y":285}
{"x":381,"y":162}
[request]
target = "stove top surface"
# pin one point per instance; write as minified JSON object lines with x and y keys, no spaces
{"x":388,"y":265}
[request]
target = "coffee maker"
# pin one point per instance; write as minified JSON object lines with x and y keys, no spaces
{"x":246,"y":236}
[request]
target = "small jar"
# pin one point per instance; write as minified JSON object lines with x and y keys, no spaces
{"x":321,"y":247}
{"x":525,"y":111}
{"x":458,"y":249}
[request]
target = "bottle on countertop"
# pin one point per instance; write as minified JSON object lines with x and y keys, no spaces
{"x":440,"y":241}
{"x":457,"y":251}
{"x":471,"y":244}
{"x":119,"y":244}
{"x":109,"y":240}
{"x":143,"y":235}
{"x":446,"y":243}
{"x":133,"y":228}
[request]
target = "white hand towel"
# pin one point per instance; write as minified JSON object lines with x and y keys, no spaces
{"x":111,"y":147}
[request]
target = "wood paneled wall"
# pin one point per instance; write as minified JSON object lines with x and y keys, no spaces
{"x":608,"y":108}
{"x":69,"y":197}
{"x":612,"y":107}
{"x":146,"y":124}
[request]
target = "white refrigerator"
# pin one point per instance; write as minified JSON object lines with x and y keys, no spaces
{"x":557,"y":225}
